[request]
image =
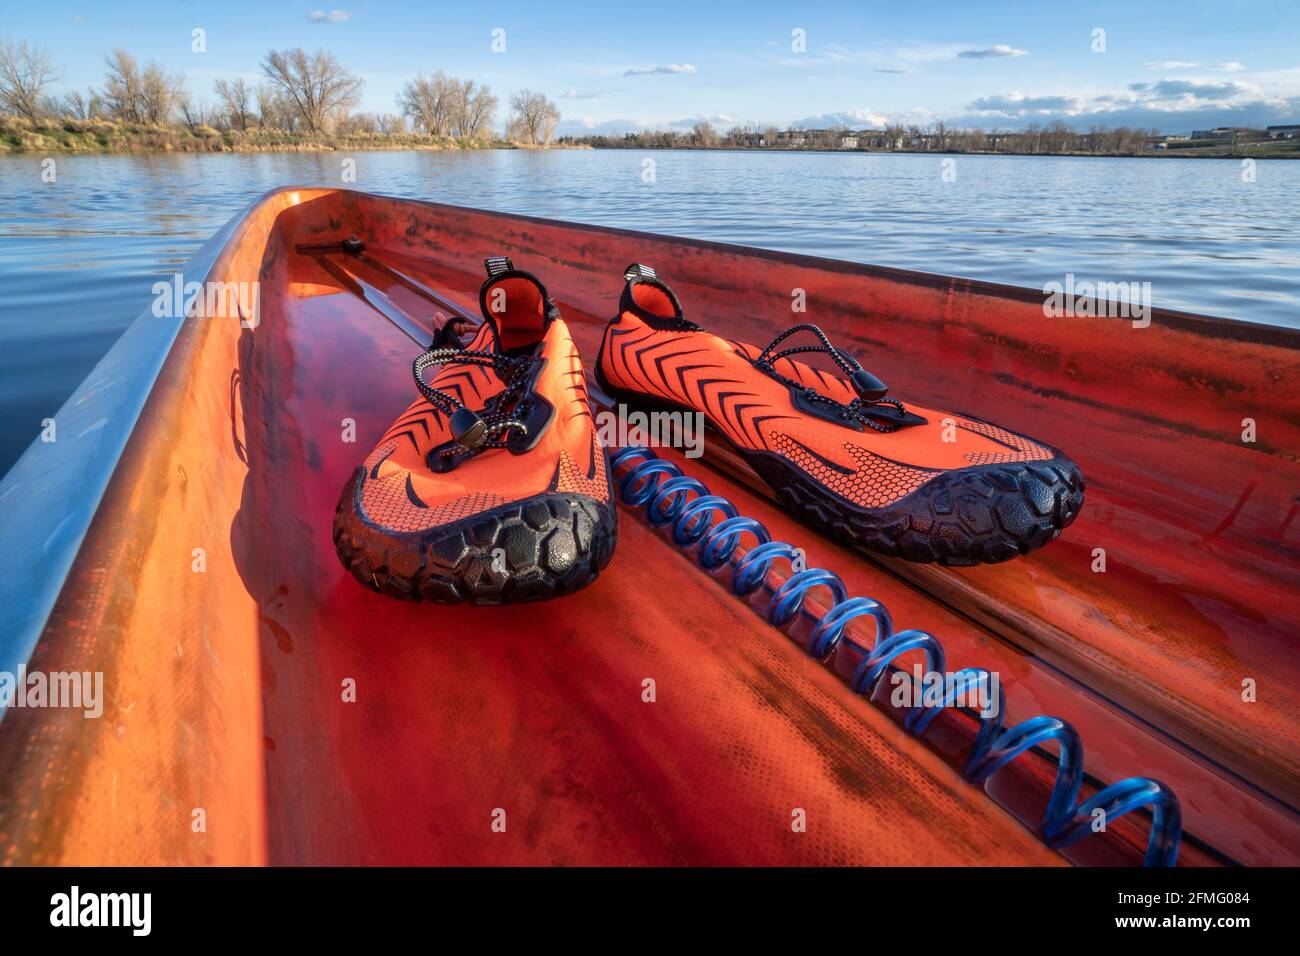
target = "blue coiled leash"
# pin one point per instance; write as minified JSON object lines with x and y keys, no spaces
{"x":685,"y":506}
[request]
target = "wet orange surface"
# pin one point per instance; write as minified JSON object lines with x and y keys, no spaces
{"x":227,"y":686}
{"x":1197,"y":526}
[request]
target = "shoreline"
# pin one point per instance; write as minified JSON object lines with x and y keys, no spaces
{"x":107,"y":137}
{"x":172,"y":142}
{"x":1210,"y":152}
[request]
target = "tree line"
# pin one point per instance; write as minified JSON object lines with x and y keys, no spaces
{"x":299,"y":92}
{"x":1057,"y":137}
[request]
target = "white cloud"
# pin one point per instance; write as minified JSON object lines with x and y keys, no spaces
{"x":997,"y":50}
{"x":1191,"y":91}
{"x":921,"y":53}
{"x":334,"y":16}
{"x":1018,"y":104}
{"x":1167,"y":95}
{"x":1167,"y":104}
{"x":585,"y":94}
{"x":887,"y":58}
{"x":588,"y":126}
{"x":1232,"y":66}
{"x":862,"y":119}
{"x":719,"y":120}
{"x":651,"y":70}
{"x":855,"y":118}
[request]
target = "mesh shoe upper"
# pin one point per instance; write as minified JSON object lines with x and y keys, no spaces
{"x":403,"y":493}
{"x":652,"y":351}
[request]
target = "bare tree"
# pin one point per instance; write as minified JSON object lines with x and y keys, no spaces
{"x":139,"y":96}
{"x":430,"y":102}
{"x":358,"y":123}
{"x":472,"y":109}
{"x":317,"y":85}
{"x":939,"y":130}
{"x":25,"y":72}
{"x":194,"y":115}
{"x":76,"y":105}
{"x":284,"y":114}
{"x":533,"y":118}
{"x":974,"y":140}
{"x":160,"y":94}
{"x":121,"y":93}
{"x":704,"y":134}
{"x":1096,"y":138}
{"x":391,"y":124}
{"x":444,"y":106}
{"x":825,"y":138}
{"x":237,"y":100}
{"x":268,"y":107}
{"x":1058,"y":136}
{"x":1033,"y":137}
{"x":480,"y":111}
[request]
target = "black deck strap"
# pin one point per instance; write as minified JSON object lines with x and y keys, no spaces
{"x":496,"y":265}
{"x":638,"y":271}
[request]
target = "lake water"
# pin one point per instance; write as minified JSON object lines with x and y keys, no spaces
{"x":78,"y":256}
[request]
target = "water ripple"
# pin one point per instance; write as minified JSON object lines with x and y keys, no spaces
{"x":78,"y":257}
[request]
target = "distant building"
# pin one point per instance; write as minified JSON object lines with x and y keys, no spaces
{"x":1283,"y":132}
{"x":1228,"y":132}
{"x":872,"y":138}
{"x":848,"y":142}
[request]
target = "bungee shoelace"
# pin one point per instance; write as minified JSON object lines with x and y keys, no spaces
{"x":471,"y":431}
{"x":870,"y":390}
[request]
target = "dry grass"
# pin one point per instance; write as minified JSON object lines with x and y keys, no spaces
{"x":111,"y":136}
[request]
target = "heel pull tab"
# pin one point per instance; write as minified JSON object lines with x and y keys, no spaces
{"x":638,"y":271}
{"x":495,"y":265}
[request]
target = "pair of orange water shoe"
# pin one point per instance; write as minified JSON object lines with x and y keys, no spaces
{"x":492,"y":487}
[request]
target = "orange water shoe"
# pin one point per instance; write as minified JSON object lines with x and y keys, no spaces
{"x":492,"y":486}
{"x":913,"y":482}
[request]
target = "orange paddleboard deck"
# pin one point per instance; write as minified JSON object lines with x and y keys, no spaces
{"x":260,"y":706}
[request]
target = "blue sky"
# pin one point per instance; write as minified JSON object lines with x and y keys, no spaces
{"x":618,"y":64}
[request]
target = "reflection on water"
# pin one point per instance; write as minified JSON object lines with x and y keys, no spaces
{"x":78,"y":257}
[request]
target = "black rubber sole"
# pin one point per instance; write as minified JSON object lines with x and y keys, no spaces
{"x":982,"y":514}
{"x":542,"y":547}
